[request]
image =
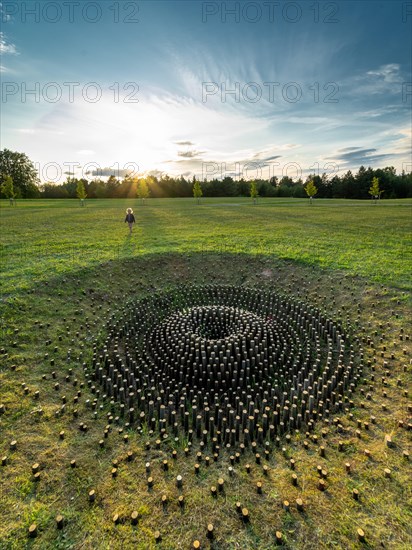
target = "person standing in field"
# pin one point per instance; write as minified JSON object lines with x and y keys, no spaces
{"x":130,"y":219}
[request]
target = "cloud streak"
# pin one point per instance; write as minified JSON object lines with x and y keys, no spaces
{"x":189,"y":154}
{"x":7,"y":47}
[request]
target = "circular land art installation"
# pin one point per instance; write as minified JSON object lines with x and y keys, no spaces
{"x":226,"y":365}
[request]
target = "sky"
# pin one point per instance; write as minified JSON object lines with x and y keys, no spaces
{"x":246,"y":89}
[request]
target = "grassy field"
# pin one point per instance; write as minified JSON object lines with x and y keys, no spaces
{"x":66,"y":269}
{"x":43,"y":238}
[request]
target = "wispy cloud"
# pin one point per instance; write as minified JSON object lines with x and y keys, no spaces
{"x":357,"y":156}
{"x":189,"y":154}
{"x":267,"y":159}
{"x":107,"y":171}
{"x":387,"y":73}
{"x":386,"y":79}
{"x":6,"y":47}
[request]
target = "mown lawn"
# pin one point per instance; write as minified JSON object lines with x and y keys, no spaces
{"x":41,"y":238}
{"x":66,"y":270}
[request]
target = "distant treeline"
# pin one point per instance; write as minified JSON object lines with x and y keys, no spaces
{"x":346,"y":186}
{"x":19,"y":179}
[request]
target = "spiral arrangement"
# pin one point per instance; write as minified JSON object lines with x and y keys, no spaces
{"x":227,"y":364}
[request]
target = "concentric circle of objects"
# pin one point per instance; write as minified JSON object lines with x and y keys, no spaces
{"x":225,"y":364}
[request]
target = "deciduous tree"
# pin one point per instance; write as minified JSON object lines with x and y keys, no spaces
{"x":374,"y":190}
{"x":81,"y":192}
{"x":7,"y":189}
{"x":22,"y":171}
{"x":197,"y":190}
{"x":311,"y":190}
{"x":142,"y":191}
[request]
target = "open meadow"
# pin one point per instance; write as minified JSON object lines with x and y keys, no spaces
{"x":342,"y":480}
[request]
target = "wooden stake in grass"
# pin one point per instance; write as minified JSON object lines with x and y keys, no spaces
{"x":33,"y":530}
{"x":388,"y":441}
{"x":245,"y":515}
{"x":210,"y":531}
{"x":92,"y":495}
{"x":196,"y":545}
{"x":134,"y":517}
{"x":361,"y":535}
{"x":59,"y":522}
{"x":116,"y":519}
{"x":278,"y":537}
{"x":157,"y":536}
{"x":299,"y":504}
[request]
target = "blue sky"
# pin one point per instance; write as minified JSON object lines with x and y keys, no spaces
{"x":207,"y":88}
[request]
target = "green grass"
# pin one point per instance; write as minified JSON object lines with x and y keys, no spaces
{"x":66,"y":269}
{"x":42,"y":238}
